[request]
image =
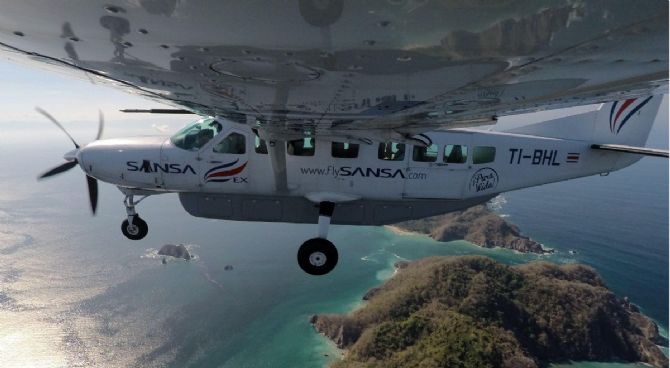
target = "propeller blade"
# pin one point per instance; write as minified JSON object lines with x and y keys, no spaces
{"x":53,"y":120}
{"x":59,"y":169}
{"x":101,"y":125}
{"x":92,"y":192}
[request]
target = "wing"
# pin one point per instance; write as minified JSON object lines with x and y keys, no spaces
{"x":337,"y":67}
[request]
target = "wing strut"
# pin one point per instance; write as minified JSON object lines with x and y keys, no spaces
{"x":277,"y":151}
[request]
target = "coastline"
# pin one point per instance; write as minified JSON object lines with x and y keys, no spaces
{"x":398,"y":231}
{"x":402,"y":232}
{"x":382,"y":276}
{"x":391,"y":271}
{"x":479,"y":225}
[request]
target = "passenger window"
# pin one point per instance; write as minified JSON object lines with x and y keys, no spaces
{"x":391,"y":151}
{"x":260,"y":146}
{"x":234,"y":144}
{"x":425,"y":154}
{"x":483,"y":155}
{"x":344,"y":150}
{"x":301,"y":147}
{"x":456,"y":154}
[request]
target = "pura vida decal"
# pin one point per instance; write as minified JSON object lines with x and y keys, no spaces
{"x":621,"y":113}
{"x":483,"y":180}
{"x":226,"y":172}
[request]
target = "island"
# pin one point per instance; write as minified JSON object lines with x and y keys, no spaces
{"x":477,"y":225}
{"x":177,"y":251}
{"x":472,"y":311}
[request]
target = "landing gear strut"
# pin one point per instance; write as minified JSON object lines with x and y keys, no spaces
{"x":318,"y":256}
{"x":134,"y":228}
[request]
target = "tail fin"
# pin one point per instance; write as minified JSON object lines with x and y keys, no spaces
{"x":626,"y":122}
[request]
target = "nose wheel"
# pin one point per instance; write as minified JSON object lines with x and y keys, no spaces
{"x":318,"y":256}
{"x":133,"y":228}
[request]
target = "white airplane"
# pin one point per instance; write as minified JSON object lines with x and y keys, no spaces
{"x":353,"y":112}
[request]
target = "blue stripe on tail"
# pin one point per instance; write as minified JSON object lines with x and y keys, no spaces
{"x":636,"y":109}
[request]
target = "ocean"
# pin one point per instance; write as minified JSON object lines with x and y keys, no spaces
{"x":75,"y":293}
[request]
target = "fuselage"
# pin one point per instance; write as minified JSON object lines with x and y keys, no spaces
{"x":458,"y":164}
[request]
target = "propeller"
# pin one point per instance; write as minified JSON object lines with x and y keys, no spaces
{"x":71,"y":158}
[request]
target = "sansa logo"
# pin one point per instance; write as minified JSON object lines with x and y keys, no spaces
{"x":225,"y":172}
{"x":168,"y":168}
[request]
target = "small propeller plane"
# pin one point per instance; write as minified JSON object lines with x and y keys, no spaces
{"x":221,"y":170}
{"x":352,"y":112}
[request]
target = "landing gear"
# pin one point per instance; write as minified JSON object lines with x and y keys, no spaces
{"x":134,"y":228}
{"x":318,"y":256}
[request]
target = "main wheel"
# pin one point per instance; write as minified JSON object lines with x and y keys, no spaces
{"x":135,"y":231}
{"x":317,"y":256}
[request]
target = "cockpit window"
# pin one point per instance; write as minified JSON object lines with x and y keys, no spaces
{"x":196,"y":135}
{"x":234,"y":143}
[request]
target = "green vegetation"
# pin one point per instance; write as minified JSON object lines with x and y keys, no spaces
{"x":477,"y":225}
{"x":474,"y":312}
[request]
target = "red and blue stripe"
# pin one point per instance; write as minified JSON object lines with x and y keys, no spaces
{"x":616,"y":123}
{"x":218,"y":174}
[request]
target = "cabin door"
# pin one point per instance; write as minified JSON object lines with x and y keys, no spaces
{"x":224,"y":163}
{"x":178,"y":168}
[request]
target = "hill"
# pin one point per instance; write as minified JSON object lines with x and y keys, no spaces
{"x":475,"y":312}
{"x":478,"y":225}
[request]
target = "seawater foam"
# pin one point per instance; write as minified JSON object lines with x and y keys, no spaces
{"x":497,"y":203}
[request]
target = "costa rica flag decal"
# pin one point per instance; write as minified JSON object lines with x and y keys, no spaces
{"x":225,"y":172}
{"x":621,"y":113}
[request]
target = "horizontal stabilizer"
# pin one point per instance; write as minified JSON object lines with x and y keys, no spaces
{"x":156,"y":111}
{"x":630,"y":149}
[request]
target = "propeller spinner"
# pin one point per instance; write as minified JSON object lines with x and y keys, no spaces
{"x":71,"y":158}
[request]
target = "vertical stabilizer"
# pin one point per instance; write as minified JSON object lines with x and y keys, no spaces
{"x":626,"y":122}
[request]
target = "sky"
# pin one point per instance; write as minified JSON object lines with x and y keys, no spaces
{"x":66,"y":97}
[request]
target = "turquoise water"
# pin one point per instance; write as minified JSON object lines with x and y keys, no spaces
{"x":74,"y":292}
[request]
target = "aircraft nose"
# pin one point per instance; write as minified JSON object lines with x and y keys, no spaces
{"x":113,"y":160}
{"x":90,"y":158}
{"x":81,"y":155}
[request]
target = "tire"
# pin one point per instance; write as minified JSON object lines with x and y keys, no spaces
{"x":136,"y":232}
{"x":317,"y":256}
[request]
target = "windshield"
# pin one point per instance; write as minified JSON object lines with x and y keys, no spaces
{"x":196,"y":135}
